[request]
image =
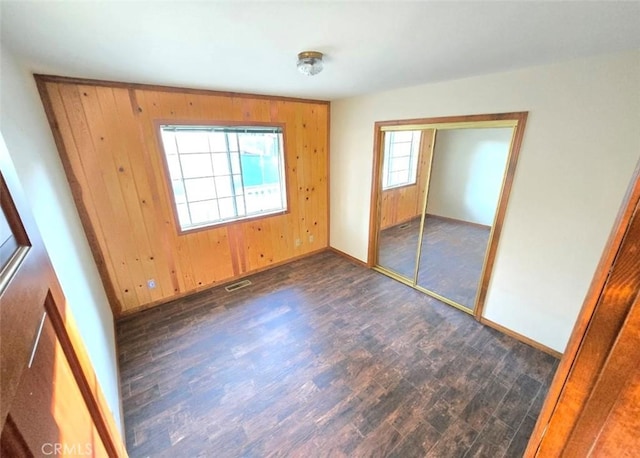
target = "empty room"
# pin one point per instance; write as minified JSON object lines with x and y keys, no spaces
{"x":319,"y":229}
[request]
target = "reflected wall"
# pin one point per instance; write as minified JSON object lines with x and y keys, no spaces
{"x":435,"y":223}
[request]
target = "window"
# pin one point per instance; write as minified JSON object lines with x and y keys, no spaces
{"x":401,"y":151}
{"x":221,"y":173}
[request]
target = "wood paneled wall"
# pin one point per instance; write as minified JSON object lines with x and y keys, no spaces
{"x":109,"y":146}
{"x":399,"y":205}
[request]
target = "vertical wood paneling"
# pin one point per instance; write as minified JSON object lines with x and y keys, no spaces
{"x":87,"y":163}
{"x":112,"y":147}
{"x":300,"y":172}
{"x":117,"y":228}
{"x":162,"y":207}
{"x":322,"y":165}
{"x":131,"y":179}
{"x":79,"y":179}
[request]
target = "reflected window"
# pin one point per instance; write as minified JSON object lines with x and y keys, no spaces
{"x":401,"y":152}
{"x":220,"y":173}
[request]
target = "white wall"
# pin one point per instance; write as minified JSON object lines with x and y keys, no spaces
{"x":467,"y":173}
{"x":580,"y":147}
{"x":26,"y":132}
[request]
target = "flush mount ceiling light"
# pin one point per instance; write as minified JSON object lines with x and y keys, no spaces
{"x":310,"y":62}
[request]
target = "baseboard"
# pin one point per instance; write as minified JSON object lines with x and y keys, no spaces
{"x":459,"y":221}
{"x":348,"y":257}
{"x":226,"y":281}
{"x":521,"y":338}
{"x":411,"y":220}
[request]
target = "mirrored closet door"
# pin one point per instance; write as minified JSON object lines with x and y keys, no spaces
{"x":441,"y":187}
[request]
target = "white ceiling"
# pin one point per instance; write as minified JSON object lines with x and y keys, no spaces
{"x":252,"y":46}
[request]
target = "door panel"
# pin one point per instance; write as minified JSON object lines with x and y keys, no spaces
{"x":63,"y":424}
{"x":49,"y":400}
{"x":23,"y":287}
{"x":437,"y":230}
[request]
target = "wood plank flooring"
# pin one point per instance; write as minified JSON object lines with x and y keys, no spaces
{"x":451,"y":258}
{"x":322,"y":357}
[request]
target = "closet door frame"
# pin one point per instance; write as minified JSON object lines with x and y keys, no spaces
{"x":517,"y":120}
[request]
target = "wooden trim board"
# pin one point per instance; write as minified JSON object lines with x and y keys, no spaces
{"x":517,"y":119}
{"x":348,"y":257}
{"x":521,"y":338}
{"x":158,"y":87}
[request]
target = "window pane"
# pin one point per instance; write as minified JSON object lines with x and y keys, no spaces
{"x":200,"y":189}
{"x":263,"y":198}
{"x":183,"y":215}
{"x":401,"y":149}
{"x":220,"y":164}
{"x":232,"y":139}
{"x":227,"y":209}
{"x":273,"y":199}
{"x":237,"y":183}
{"x":212,"y":181}
{"x":173,"y":162}
{"x":402,"y":136}
{"x":250,"y":143}
{"x":398,"y":178}
{"x":169,"y":142}
{"x":240,"y":206}
{"x":178,"y":192}
{"x":223,"y":186}
{"x":235,"y":162}
{"x":399,"y":164}
{"x":192,"y":142}
{"x":253,"y":198}
{"x":414,"y":170}
{"x":218,"y":142}
{"x":204,"y":212}
{"x":401,"y":156}
{"x":196,"y":165}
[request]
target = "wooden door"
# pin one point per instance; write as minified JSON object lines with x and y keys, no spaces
{"x":50,"y":404}
{"x":593,"y":405}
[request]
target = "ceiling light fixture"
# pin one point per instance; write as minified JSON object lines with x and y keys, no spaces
{"x":310,"y":62}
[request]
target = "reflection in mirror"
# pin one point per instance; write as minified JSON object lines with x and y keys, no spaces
{"x":442,"y":189}
{"x":465,"y":183}
{"x":405,"y":168}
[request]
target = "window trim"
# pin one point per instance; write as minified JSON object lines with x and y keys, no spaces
{"x":157,"y":126}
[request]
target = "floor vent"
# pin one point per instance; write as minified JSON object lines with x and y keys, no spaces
{"x":240,"y":284}
{"x":405,"y":225}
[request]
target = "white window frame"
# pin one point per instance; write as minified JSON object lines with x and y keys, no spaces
{"x":390,"y":166}
{"x":241,"y":201}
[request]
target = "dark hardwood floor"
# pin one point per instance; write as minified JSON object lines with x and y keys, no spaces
{"x":450,"y":260}
{"x":322,"y":357}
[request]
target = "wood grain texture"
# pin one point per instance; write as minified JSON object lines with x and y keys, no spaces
{"x":593,"y":389}
{"x":324,"y":357}
{"x":612,"y":404}
{"x":60,"y":390}
{"x":158,"y":87}
{"x":49,"y":408}
{"x":521,"y":338}
{"x":107,"y":136}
